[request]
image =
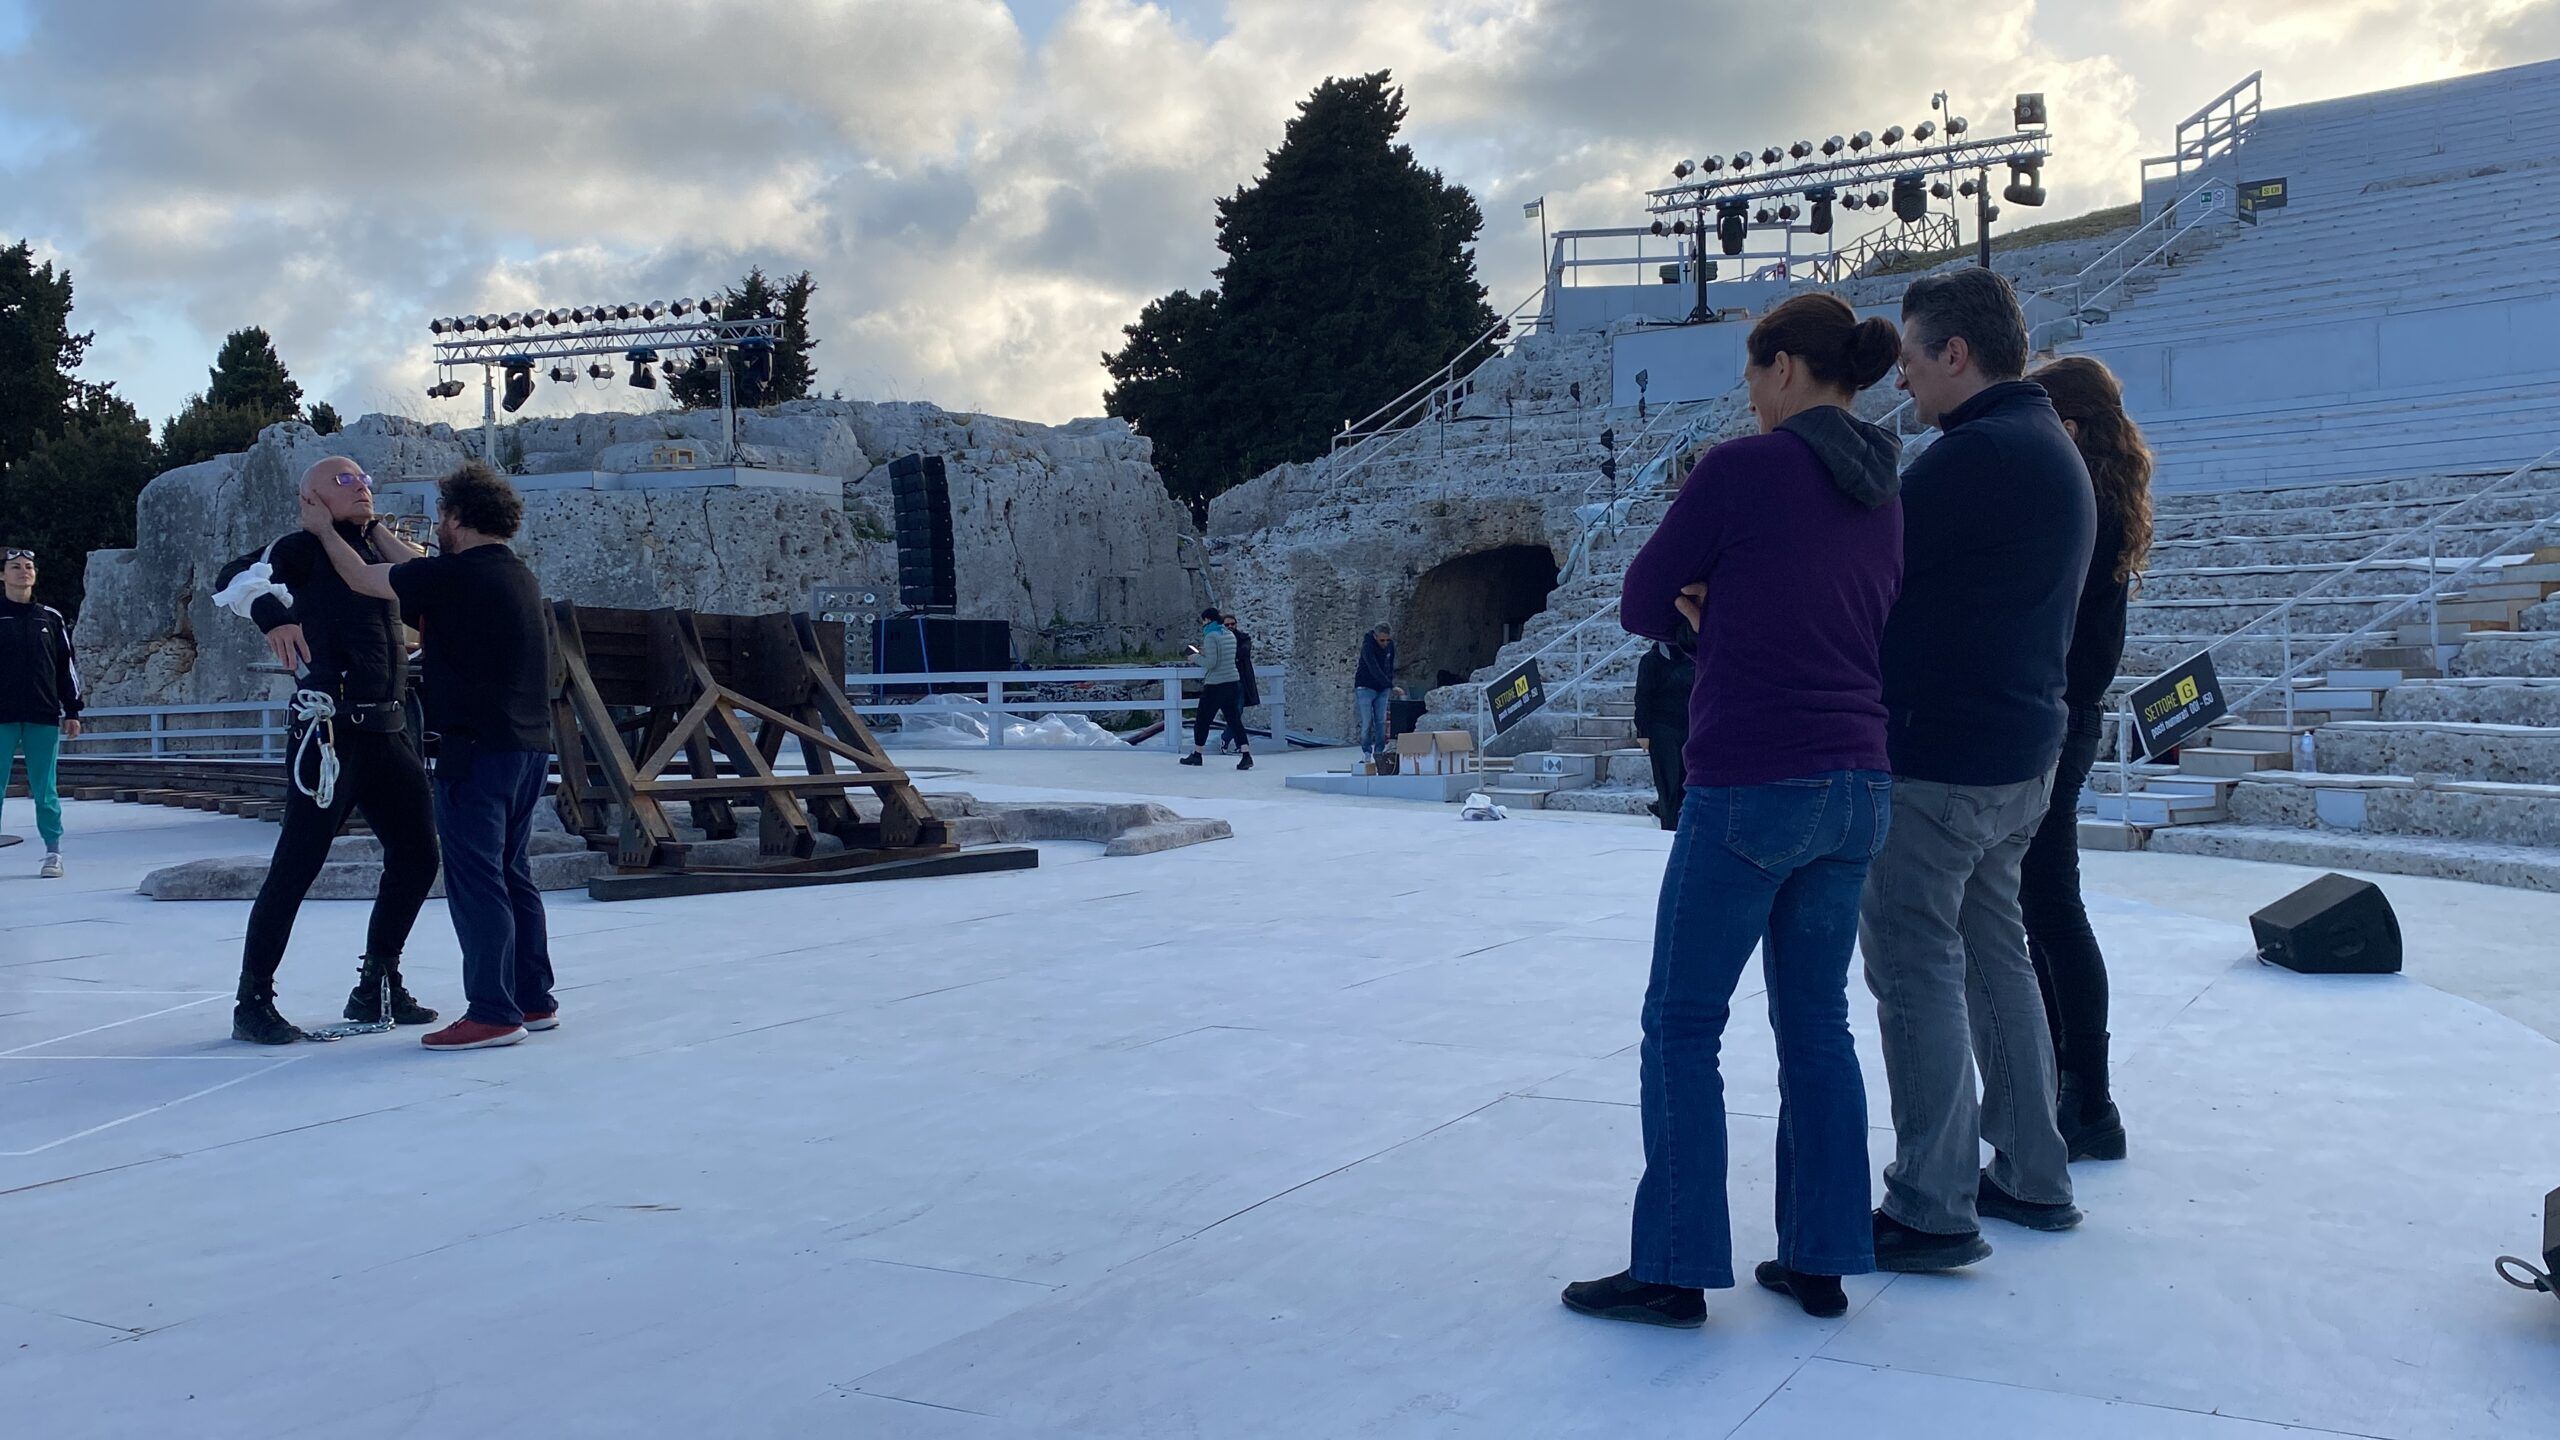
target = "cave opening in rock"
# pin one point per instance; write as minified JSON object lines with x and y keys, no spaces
{"x":1463,"y":610}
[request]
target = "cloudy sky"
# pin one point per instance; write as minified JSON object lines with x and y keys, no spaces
{"x":986,"y":191}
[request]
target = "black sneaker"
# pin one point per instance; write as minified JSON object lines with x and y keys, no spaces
{"x":1999,"y":1204}
{"x":257,"y":1022}
{"x":1622,"y":1298}
{"x":1820,"y":1295}
{"x":2091,"y":1125}
{"x":1191,"y":759}
{"x":1247,"y":762}
{"x":1906,"y":1251}
{"x":364,"y":1003}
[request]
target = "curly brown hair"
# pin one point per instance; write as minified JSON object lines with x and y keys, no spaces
{"x":2086,"y":393}
{"x":479,"y":498}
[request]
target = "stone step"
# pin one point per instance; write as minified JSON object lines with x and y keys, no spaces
{"x":2523,"y":754}
{"x":2518,"y":866}
{"x":1613,"y":800}
{"x":2152,"y":808}
{"x":2269,"y":739}
{"x":2499,"y":813}
{"x":2229,"y":763}
{"x":2488,"y":702}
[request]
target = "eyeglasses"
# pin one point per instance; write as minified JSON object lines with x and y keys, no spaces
{"x":346,"y":478}
{"x":7,"y":556}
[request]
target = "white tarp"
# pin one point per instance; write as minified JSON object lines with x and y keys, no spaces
{"x":956,"y":722}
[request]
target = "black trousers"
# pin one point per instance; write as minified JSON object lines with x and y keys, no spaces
{"x":1662,"y":718}
{"x":381,"y":777}
{"x":1224,"y":699}
{"x":2069,"y":967}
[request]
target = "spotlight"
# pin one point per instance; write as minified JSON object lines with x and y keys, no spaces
{"x":1940,"y":190}
{"x":1680,"y":227}
{"x":509,"y":321}
{"x":642,"y":377}
{"x":1772,"y":155}
{"x":1800,"y":149}
{"x":1875,"y":199}
{"x":439,"y":326}
{"x":2026,"y":183}
{"x":1741,"y":160}
{"x":1892,"y":135}
{"x":1852,"y":200}
{"x":1922,"y":131}
{"x":1820,"y":220}
{"x":2029,"y":110}
{"x":1833,"y":146}
{"x":444,"y":389}
{"x":755,"y":355}
{"x":1732,"y":224}
{"x":583,"y":314}
{"x":1762,"y":216}
{"x":1957,"y":125}
{"x":1787,"y":214}
{"x":557,"y":317}
{"x":519,"y":385}
{"x":681,"y":308}
{"x":653,"y":309}
{"x":1969,"y":189}
{"x":1712,"y":164}
{"x":1862,"y":140}
{"x":1910,"y":199}
{"x":563,"y":375}
{"x":482,"y":323}
{"x":599,"y":371}
{"x":1992,"y":214}
{"x":1684,"y":169}
{"x":1660,"y":229}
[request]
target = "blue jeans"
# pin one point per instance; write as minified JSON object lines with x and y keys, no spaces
{"x":1778,"y":867}
{"x":484,"y":814}
{"x":1373,"y":719}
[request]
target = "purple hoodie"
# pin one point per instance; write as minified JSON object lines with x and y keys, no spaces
{"x":1797,"y":535}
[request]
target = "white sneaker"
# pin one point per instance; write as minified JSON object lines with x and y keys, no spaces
{"x":51,"y":869}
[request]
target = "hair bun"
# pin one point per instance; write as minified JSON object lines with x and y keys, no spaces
{"x":1873,"y":350}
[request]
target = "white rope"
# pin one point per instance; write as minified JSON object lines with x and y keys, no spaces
{"x":241,"y":596}
{"x":316,"y":713}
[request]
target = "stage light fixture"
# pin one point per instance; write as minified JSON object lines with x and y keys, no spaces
{"x":1787,"y":214}
{"x":1876,"y":199}
{"x":1800,"y":149}
{"x":482,"y":324}
{"x":1833,"y":146}
{"x":2029,"y":110}
{"x":653,"y":309}
{"x":1991,"y":214}
{"x":440,"y":325}
{"x":1741,"y":160}
{"x":1659,"y":228}
{"x":1684,"y":169}
{"x":1820,"y":220}
{"x":1940,"y":190}
{"x":1957,"y":125}
{"x":1732,"y":224}
{"x":563,"y":375}
{"x":444,"y":389}
{"x":1862,"y":140}
{"x":1969,"y":189}
{"x":1762,"y":216}
{"x":1711,"y":164}
{"x":559,"y":317}
{"x":1921,"y":132}
{"x":599,"y":371}
{"x":642,"y":377}
{"x":519,"y":385}
{"x":1772,"y":155}
{"x":1910,"y":199}
{"x":1892,"y":135}
{"x":755,"y":357}
{"x":2026,"y":183}
{"x":1680,"y":227}
{"x":1854,"y":201}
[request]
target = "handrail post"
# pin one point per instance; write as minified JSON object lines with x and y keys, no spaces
{"x":2285,"y":677}
{"x":995,"y":714}
{"x":1173,"y":710}
{"x":2434,"y":587}
{"x":1280,"y":712}
{"x":157,"y":729}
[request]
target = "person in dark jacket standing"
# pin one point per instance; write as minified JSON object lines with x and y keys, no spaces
{"x":350,"y":659}
{"x":1248,"y":689}
{"x":1372,"y":686}
{"x":1998,"y":524}
{"x":2070,"y":968}
{"x":1221,"y":691}
{"x":1783,"y":552}
{"x":39,"y":697}
{"x":1665,"y":674}
{"x":488,"y":663}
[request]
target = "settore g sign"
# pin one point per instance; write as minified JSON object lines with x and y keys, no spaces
{"x":1517,"y":695}
{"x":2172,"y":708}
{"x":2257,"y":195}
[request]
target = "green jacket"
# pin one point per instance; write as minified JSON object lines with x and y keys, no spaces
{"x":1217,"y":655}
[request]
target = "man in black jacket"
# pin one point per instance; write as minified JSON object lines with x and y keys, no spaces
{"x":1998,"y":519}
{"x":350,"y":659}
{"x":39,"y":696}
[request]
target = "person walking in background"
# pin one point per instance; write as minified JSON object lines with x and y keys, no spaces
{"x":488,"y":684}
{"x":1665,"y":674}
{"x":1372,"y":687}
{"x":1783,"y":552}
{"x":1248,"y":689}
{"x":1221,"y":691}
{"x":39,"y":698}
{"x":1998,"y":524}
{"x":2070,"y":969}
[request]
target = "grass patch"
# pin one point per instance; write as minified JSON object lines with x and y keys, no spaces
{"x":2053,"y":232}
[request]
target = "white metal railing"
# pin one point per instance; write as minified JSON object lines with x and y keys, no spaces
{"x":2092,"y":289}
{"x":103,"y":737}
{"x":1443,"y":389}
{"x":1927,"y":235}
{"x":2216,"y":129}
{"x":998,"y":687}
{"x":1610,"y":504}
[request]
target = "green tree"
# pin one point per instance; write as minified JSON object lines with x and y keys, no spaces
{"x":795,"y":376}
{"x":38,"y":352}
{"x":250,"y":390}
{"x":1350,"y":275}
{"x":324,"y":418}
{"x":74,"y":493}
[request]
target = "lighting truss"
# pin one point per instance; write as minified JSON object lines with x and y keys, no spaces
{"x":1856,"y":172}
{"x":614,"y":339}
{"x":641,"y":334}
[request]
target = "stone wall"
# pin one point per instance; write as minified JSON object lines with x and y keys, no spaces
{"x":1064,"y":531}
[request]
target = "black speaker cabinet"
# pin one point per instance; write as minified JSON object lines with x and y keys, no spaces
{"x":2333,"y":926}
{"x":920,"y":493}
{"x":914,"y":644}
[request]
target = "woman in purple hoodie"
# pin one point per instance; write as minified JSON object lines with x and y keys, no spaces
{"x":1785,"y":551}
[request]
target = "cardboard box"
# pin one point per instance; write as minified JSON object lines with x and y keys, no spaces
{"x":1434,"y":752}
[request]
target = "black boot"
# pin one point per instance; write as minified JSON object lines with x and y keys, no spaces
{"x":254,"y":1017}
{"x":2091,"y":1125}
{"x":364,"y":1003}
{"x":1623,"y":1297}
{"x":1819,"y":1295}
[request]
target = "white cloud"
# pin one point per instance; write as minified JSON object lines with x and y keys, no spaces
{"x":982,"y":212}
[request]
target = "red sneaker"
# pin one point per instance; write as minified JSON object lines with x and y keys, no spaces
{"x":542,"y":1019}
{"x":472,"y":1035}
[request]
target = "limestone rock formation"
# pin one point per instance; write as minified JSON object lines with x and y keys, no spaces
{"x":1064,"y":531}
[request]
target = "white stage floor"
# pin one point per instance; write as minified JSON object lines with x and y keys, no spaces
{"x":1294,"y":1135}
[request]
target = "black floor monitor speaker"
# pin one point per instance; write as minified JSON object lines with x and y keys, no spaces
{"x":2333,"y":926}
{"x":928,"y":578}
{"x":914,"y":644}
